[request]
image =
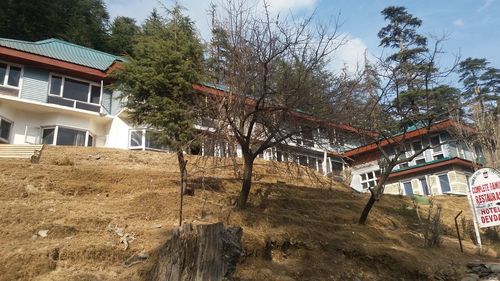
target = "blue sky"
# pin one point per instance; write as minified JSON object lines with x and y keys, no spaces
{"x":472,"y":26}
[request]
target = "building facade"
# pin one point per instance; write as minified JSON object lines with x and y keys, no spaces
{"x":54,"y":92}
{"x":444,"y":168}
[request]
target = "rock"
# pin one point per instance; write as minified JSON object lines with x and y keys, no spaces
{"x":494,"y":267}
{"x":34,"y":237}
{"x":43,"y":233}
{"x":470,"y":277}
{"x":95,"y":156}
{"x":136,"y":258}
{"x":156,"y":225}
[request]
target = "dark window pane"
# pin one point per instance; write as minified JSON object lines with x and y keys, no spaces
{"x":337,"y":166}
{"x":95,"y":94}
{"x":55,"y":85}
{"x":377,"y":173}
{"x":5,"y":129}
{"x":3,"y":70}
{"x":364,"y":185}
{"x":70,"y":137}
{"x":14,"y":76}
{"x":372,"y":183}
{"x":86,"y":106}
{"x":48,"y":136}
{"x":435,"y":140}
{"x":303,"y":160}
{"x":90,"y":141}
{"x":420,"y":161}
{"x":407,"y":188}
{"x":60,"y":101}
{"x":363,"y":177}
{"x":76,"y":90}
{"x":370,"y":175}
{"x":417,"y":146}
{"x":425,"y":188}
{"x":445,"y":184}
{"x":135,"y":138}
{"x":439,"y":156}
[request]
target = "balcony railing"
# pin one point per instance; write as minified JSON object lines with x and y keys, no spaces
{"x":74,"y":103}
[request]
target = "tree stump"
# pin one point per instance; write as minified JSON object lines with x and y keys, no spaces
{"x":204,"y":252}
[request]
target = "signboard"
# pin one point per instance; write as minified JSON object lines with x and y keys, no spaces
{"x":484,"y":193}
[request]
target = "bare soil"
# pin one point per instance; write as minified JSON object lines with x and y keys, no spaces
{"x":299,"y":225}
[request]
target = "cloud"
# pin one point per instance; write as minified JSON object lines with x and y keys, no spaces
{"x":290,"y":5}
{"x":485,"y":5}
{"x":351,"y":55}
{"x":458,"y":22}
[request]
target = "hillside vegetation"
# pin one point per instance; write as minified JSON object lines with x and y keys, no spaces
{"x":299,"y":226}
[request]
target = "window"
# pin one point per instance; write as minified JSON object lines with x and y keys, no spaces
{"x":403,"y":165}
{"x":10,"y":75}
{"x":407,"y":188}
{"x":437,"y":149}
{"x":75,"y":93}
{"x":425,"y":187}
{"x":369,"y":179}
{"x":59,"y":135}
{"x":444,"y":183}
{"x":149,"y":139}
{"x":5,"y":129}
{"x":417,"y":147}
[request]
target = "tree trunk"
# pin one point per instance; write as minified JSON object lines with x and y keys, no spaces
{"x":204,"y":252}
{"x":183,"y":186}
{"x":367,"y":209}
{"x":247,"y":181}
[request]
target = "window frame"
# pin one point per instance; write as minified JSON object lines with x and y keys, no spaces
{"x":4,"y":81}
{"x":403,"y":188}
{"x":419,"y":157}
{"x":439,"y":182}
{"x":9,"y":137}
{"x":368,"y":180}
{"x":435,"y":153}
{"x":88,"y":134}
{"x":89,"y":92}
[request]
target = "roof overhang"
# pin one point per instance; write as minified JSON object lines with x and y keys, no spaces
{"x":453,"y":161}
{"x":440,"y":126}
{"x":53,"y":64}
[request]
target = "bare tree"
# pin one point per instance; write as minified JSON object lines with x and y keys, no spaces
{"x":404,"y":97}
{"x":274,"y":72}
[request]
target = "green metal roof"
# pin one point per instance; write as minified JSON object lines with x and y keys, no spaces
{"x":64,"y":51}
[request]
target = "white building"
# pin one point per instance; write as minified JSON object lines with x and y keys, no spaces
{"x":53,"y":92}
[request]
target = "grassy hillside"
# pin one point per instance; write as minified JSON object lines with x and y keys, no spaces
{"x":299,"y":226}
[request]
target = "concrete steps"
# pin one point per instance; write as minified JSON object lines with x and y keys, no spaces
{"x":25,"y":151}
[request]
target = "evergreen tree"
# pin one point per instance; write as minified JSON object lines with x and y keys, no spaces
{"x":123,"y":31}
{"x":82,"y":22}
{"x":157,"y":81}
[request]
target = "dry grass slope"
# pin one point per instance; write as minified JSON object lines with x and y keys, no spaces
{"x":299,"y":226}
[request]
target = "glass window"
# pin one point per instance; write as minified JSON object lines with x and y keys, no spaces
{"x":403,"y":165}
{"x":363,"y":177}
{"x":76,"y":90}
{"x":420,"y":161}
{"x":425,"y":187}
{"x":14,"y":76}
{"x":408,"y":190}
{"x":438,"y":157}
{"x":55,"y":85}
{"x":5,"y":128}
{"x":153,"y":140}
{"x":3,"y":71}
{"x":67,"y":136}
{"x":95,"y":94}
{"x":445,"y":183}
{"x":48,"y":136}
{"x":417,"y":146}
{"x":135,"y":138}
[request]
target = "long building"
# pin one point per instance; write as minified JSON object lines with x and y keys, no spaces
{"x":54,"y":93}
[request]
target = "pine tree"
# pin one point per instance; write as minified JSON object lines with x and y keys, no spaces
{"x":157,"y":81}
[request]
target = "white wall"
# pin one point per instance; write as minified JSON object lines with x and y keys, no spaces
{"x":118,"y":133}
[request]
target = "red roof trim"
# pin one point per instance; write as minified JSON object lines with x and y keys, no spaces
{"x":249,"y":101}
{"x":457,"y":161}
{"x":25,"y":57}
{"x":409,"y":135}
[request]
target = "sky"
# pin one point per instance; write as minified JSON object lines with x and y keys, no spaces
{"x":472,"y":27}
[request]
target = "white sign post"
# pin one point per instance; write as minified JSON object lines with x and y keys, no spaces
{"x":484,"y":199}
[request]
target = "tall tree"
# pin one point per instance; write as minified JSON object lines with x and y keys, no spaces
{"x":273,"y":67}
{"x":122,"y":35}
{"x":481,"y":91}
{"x":157,"y":82}
{"x":82,"y":22}
{"x":406,"y":98}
